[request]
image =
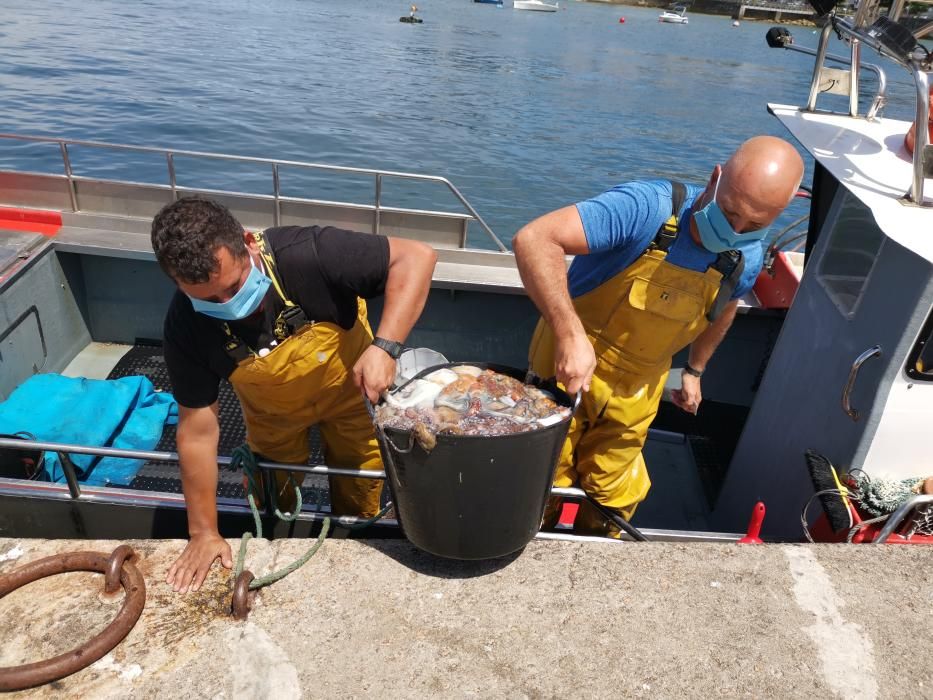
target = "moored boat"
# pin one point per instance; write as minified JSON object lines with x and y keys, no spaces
{"x":678,"y":15}
{"x":537,"y":5}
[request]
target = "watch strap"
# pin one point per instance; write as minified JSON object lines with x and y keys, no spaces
{"x":393,"y":348}
{"x":693,"y":371}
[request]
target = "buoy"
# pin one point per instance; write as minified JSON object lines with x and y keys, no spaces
{"x":735,"y":23}
{"x":621,"y":20}
{"x":754,"y":525}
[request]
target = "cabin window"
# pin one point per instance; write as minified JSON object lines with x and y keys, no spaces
{"x":920,"y":360}
{"x":853,"y":246}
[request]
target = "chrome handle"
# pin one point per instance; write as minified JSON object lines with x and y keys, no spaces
{"x":853,"y":375}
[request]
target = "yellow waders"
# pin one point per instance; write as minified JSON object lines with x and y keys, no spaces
{"x":636,"y":321}
{"x":304,"y":381}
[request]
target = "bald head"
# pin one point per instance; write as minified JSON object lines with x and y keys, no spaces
{"x":757,"y":182}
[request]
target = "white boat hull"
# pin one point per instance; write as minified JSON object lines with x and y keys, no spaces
{"x":673,"y":19}
{"x":536,"y":5}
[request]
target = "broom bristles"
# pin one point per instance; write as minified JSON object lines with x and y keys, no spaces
{"x":823,"y":476}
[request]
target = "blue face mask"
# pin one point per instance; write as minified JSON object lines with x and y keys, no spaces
{"x":716,"y":233}
{"x":240,"y":305}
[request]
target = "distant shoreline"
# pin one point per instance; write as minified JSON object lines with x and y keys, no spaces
{"x":727,"y":8}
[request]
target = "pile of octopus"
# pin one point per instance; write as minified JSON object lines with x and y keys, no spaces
{"x":281,"y":315}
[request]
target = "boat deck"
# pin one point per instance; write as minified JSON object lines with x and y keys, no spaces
{"x":677,"y":463}
{"x":377,"y":618}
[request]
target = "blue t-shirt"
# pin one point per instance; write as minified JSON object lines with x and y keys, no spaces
{"x":620,"y":225}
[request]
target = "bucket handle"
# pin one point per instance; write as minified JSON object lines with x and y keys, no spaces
{"x":382,"y":433}
{"x":396,"y":448}
{"x":531,"y":376}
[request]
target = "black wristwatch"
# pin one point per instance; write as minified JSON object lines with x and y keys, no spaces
{"x":690,"y":370}
{"x":393,"y":348}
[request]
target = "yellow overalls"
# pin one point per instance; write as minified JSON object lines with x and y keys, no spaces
{"x":637,"y":321}
{"x":305,"y":380}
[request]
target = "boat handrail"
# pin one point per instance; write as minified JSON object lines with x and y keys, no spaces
{"x":880,"y":99}
{"x":274,"y":163}
{"x":869,"y":28}
{"x":158,"y":456}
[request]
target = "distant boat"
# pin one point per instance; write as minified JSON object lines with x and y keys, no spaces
{"x":489,"y":2}
{"x":677,"y":16}
{"x":535,"y":5}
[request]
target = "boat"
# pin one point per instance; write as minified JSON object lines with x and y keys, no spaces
{"x":489,"y":2}
{"x":538,"y":5}
{"x":410,"y":19}
{"x":831,"y":352}
{"x":678,"y":15}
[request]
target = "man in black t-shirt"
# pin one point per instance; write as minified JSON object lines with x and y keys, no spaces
{"x":280,"y":315}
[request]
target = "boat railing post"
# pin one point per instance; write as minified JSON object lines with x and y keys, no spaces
{"x":818,"y":66}
{"x":72,"y":190}
{"x":276,"y":194}
{"x":170,"y":162}
{"x":377,"y":213}
{"x":71,"y":474}
{"x":923,"y":153}
{"x":469,"y":207}
{"x":853,"y":77}
{"x":897,"y":8}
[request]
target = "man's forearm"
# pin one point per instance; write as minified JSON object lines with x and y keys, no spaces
{"x":199,"y":484}
{"x":702,"y":349}
{"x":197,"y":451}
{"x":407,"y":287}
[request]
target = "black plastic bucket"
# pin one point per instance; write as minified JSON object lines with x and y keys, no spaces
{"x":474,"y":497}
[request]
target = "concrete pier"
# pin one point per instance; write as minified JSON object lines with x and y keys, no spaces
{"x":377,"y":619}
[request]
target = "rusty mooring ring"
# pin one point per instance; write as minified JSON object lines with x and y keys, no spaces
{"x":30,"y":675}
{"x":239,"y":606}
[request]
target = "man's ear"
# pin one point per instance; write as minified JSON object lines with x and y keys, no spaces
{"x":706,"y":196}
{"x":250,"y":240}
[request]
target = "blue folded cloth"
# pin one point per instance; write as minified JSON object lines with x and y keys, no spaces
{"x":125,"y":413}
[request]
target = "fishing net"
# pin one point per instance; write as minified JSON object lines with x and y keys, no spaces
{"x":881,"y":497}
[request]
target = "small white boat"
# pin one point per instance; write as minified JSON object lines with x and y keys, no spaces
{"x":538,"y":5}
{"x":676,"y":16}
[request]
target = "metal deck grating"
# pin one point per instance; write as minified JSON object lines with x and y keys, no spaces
{"x":147,"y":360}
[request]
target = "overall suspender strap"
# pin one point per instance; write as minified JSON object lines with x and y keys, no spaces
{"x":267,"y":258}
{"x":667,"y":234}
{"x":289,"y":320}
{"x":730,"y":264}
{"x":292,"y":316}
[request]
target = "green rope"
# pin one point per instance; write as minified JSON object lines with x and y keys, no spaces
{"x":343,"y":522}
{"x":243,"y":457}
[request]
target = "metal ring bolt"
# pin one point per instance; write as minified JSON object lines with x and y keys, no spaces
{"x":116,"y":568}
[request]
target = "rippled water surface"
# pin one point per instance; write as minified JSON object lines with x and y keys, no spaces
{"x":523,"y":111}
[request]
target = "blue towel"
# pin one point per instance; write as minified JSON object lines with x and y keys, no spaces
{"x":126,"y":413}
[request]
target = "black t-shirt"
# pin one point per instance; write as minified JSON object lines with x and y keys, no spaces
{"x":322,"y":270}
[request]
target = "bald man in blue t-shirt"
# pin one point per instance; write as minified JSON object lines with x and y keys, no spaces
{"x":659,"y":266}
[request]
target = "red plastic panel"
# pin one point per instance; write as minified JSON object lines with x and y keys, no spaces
{"x":46,"y":223}
{"x":776,"y":290}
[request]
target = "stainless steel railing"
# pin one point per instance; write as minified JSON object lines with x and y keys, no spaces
{"x":274,"y":165}
{"x":859,"y":33}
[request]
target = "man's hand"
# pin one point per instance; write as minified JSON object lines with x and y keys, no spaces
{"x":374,"y":372}
{"x":574,"y":362}
{"x":192,"y":567}
{"x":689,"y":396}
